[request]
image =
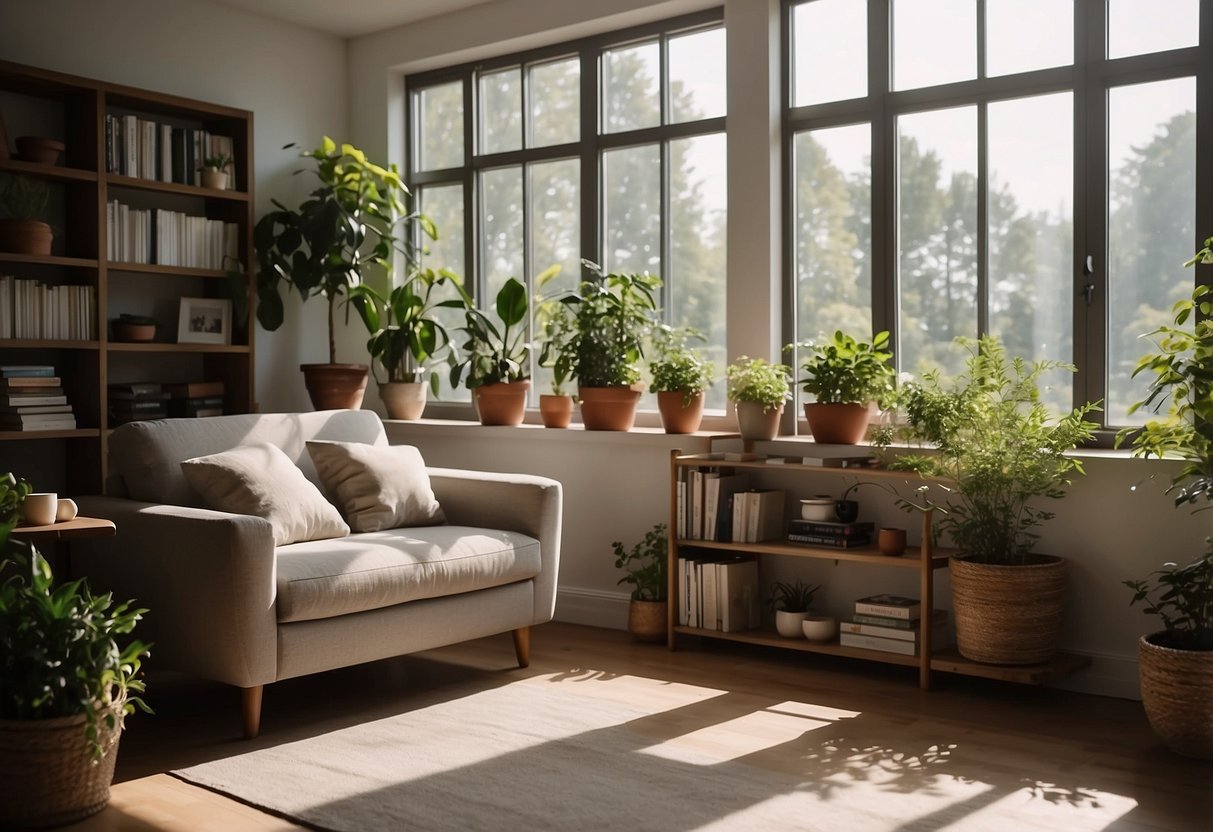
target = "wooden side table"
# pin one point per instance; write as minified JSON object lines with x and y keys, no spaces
{"x":79,"y":528}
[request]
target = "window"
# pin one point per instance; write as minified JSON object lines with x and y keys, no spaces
{"x":995,"y":174}
{"x":517,"y":176}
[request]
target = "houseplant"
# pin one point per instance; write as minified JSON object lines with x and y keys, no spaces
{"x":612,"y":315}
{"x":759,"y":389}
{"x":1176,"y":663}
{"x":791,"y":603}
{"x":845,"y":375}
{"x":556,"y":323}
{"x":215,"y":171}
{"x":497,"y":359}
{"x":353,"y":222}
{"x":68,"y":685}
{"x":23,"y":229}
{"x":1002,"y":451}
{"x":647,"y":565}
{"x":406,"y":334}
{"x":681,"y":377}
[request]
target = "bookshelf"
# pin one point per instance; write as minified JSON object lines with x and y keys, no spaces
{"x":926,"y":561}
{"x":82,"y":185}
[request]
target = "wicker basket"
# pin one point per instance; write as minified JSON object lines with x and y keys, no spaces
{"x":1009,"y":615}
{"x":1177,"y":693}
{"x":647,"y":620}
{"x":47,"y":773}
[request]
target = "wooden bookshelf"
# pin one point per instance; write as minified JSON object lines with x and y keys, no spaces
{"x":81,"y":186}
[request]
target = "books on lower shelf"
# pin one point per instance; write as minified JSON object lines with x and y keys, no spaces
{"x":170,"y":238}
{"x":195,"y":399}
{"x":46,"y":311}
{"x":883,"y":645}
{"x":136,"y":401}
{"x":888,"y":627}
{"x":889,"y":606}
{"x":718,"y":592}
{"x":32,"y":399}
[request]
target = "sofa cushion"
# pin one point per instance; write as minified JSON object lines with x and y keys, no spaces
{"x":261,"y":480}
{"x":376,"y":487}
{"x":326,"y":578}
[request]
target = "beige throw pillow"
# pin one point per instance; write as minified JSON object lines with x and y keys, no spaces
{"x":377,"y":486}
{"x":263,"y":481}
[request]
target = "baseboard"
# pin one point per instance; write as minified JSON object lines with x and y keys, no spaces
{"x":1107,"y":675}
{"x":592,"y":607}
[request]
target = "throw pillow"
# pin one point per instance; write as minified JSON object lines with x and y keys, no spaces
{"x":263,"y":481}
{"x":377,"y":486}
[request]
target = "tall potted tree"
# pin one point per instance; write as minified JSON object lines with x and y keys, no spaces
{"x":845,"y":375}
{"x":355,"y":221}
{"x":1002,"y":450}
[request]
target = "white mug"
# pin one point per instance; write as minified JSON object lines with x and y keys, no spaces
{"x":40,"y":508}
{"x":67,"y":510}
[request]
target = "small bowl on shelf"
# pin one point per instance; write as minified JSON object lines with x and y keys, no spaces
{"x":134,"y":333}
{"x":820,"y":628}
{"x":39,"y":149}
{"x":819,"y":508}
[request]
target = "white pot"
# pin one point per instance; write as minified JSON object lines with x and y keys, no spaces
{"x":790,"y":624}
{"x":214,"y":179}
{"x":403,"y":399}
{"x":819,"y":627}
{"x":820,"y":509}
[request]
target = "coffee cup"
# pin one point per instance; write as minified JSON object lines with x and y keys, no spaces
{"x":67,"y":510}
{"x":39,"y":509}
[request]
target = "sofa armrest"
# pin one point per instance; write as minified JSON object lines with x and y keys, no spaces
{"x":521,"y":503}
{"x":206,"y":578}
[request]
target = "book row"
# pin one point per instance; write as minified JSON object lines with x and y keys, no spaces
{"x":719,"y":593}
{"x":29,"y":309}
{"x":146,"y":149}
{"x":169,"y":238}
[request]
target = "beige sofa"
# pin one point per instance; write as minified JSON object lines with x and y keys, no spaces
{"x":226,"y":604}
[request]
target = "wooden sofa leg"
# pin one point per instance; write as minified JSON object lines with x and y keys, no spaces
{"x":522,"y":646}
{"x":250,"y":701}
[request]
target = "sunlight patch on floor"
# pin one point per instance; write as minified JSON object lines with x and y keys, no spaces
{"x":652,"y":695}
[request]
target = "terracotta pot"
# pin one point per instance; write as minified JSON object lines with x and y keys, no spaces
{"x":403,"y":399}
{"x":837,"y":424}
{"x":134,"y":333}
{"x":677,"y":415}
{"x":1177,"y":693}
{"x":608,"y":408}
{"x":335,"y":386}
{"x":755,"y":423}
{"x":39,"y":149}
{"x":26,"y":237}
{"x":647,"y":620}
{"x":891,"y":542}
{"x":502,"y":404}
{"x":556,"y":411}
{"x":1009,"y":615}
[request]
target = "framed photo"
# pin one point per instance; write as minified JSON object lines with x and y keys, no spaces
{"x":205,"y":321}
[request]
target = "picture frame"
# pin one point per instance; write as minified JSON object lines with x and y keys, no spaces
{"x":204,"y":321}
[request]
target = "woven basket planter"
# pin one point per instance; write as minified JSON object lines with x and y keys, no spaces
{"x":48,"y":776}
{"x":647,"y":620}
{"x":1177,"y":693}
{"x":1009,"y":615}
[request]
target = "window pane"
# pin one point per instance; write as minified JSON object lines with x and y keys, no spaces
{"x":829,"y":51}
{"x":697,"y":76}
{"x":1030,"y":217}
{"x":632,"y":209}
{"x":1137,"y":27}
{"x":1023,"y":35}
{"x":1151,"y":205}
{"x":554,"y":215}
{"x":630,"y":87}
{"x":502,"y":241}
{"x":554,"y":99}
{"x":833,"y":233}
{"x":501,"y":111}
{"x":439,"y":114}
{"x":934,"y":42}
{"x":937,"y":237}
{"x":696,"y":273}
{"x":444,"y":205}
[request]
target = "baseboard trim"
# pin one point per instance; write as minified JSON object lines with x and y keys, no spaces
{"x":592,"y":607}
{"x":1107,"y":675}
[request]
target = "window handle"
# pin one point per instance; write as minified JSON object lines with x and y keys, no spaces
{"x":1088,"y":293}
{"x":1088,"y":266}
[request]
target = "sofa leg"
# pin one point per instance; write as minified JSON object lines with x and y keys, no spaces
{"x":522,"y":646}
{"x":250,"y":701}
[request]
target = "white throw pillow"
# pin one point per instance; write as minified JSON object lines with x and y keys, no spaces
{"x":263,"y":481}
{"x":377,"y":486}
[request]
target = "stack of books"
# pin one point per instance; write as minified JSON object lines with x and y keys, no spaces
{"x":32,"y":398}
{"x":136,"y":401}
{"x":195,"y":398}
{"x":718,"y":592}
{"x":890,"y":623}
{"x":823,"y":533}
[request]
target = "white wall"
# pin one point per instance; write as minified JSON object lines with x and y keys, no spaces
{"x":293,"y":79}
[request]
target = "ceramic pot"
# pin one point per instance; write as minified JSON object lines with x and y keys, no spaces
{"x":39,"y":149}
{"x":837,"y":424}
{"x":403,"y":399}
{"x":647,"y":620}
{"x":608,"y":408}
{"x":503,"y":403}
{"x":847,"y":511}
{"x":678,"y":415}
{"x":891,"y":542}
{"x":133,"y":333}
{"x":555,"y":411}
{"x":790,"y":624}
{"x":214,"y":179}
{"x":819,"y":628}
{"x":818,"y":509}
{"x":1177,"y":693}
{"x":755,"y":423}
{"x":335,"y":386}
{"x":26,"y":237}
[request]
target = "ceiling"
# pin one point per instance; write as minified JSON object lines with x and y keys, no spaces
{"x":350,"y":18}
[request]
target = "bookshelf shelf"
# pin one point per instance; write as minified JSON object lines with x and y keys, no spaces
{"x":860,"y":554}
{"x":48,"y":260}
{"x":156,"y":346}
{"x":118,"y":267}
{"x":136,"y":183}
{"x":21,"y":435}
{"x":46,"y":344}
{"x":55,"y":173}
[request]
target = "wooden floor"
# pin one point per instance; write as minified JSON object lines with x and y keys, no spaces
{"x":198,"y":721}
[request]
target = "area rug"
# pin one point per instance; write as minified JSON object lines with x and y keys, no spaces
{"x":591,"y":751}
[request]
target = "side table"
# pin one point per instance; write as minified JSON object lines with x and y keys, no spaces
{"x":79,"y":528}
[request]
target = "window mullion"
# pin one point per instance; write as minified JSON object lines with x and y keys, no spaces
{"x":471,"y":210}
{"x":983,"y":218}
{"x":591,"y":172}
{"x":884,"y":170}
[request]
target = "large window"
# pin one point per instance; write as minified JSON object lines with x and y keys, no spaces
{"x":1025,"y":168}
{"x":610,"y":149}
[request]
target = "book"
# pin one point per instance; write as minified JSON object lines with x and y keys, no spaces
{"x":738,"y":589}
{"x":764,"y":515}
{"x":884,"y":645}
{"x":938,"y":625}
{"x":718,"y":518}
{"x":68,"y":423}
{"x":26,"y":370}
{"x":831,"y":529}
{"x":30,"y":400}
{"x":847,"y":461}
{"x":134,"y":390}
{"x":21,"y":384}
{"x":203,"y":406}
{"x":25,"y":410}
{"x":899,"y":623}
{"x":834,"y":542}
{"x":195,"y":389}
{"x":890,"y":606}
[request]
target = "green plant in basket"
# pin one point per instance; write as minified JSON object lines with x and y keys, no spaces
{"x":646,"y":564}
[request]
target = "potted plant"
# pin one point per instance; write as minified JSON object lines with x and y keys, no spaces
{"x":68,"y":685}
{"x":23,"y":229}
{"x":1176,"y":663}
{"x":497,"y":360}
{"x":556,"y":323}
{"x":759,"y":389}
{"x":612,"y":316}
{"x":1002,"y":451}
{"x":647,"y":565}
{"x":845,"y":375}
{"x":791,"y":603}
{"x":681,"y":377}
{"x":405,"y":335}
{"x":348,"y":225}
{"x":215,"y":171}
